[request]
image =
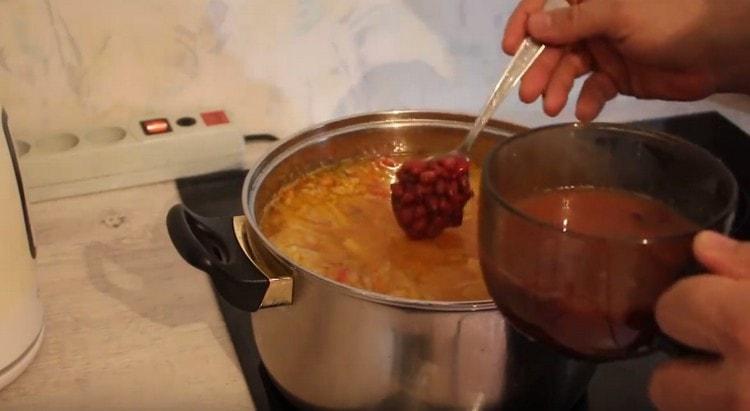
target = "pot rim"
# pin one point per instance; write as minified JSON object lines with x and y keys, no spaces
{"x":322,"y":131}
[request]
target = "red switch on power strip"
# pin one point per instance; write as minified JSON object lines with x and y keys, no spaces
{"x":213,"y":118}
{"x":155,"y":126}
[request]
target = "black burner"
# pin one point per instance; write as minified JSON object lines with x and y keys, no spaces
{"x":616,"y":386}
{"x":263,"y":390}
{"x":726,"y":141}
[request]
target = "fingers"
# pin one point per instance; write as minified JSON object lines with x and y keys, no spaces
{"x":707,"y":312}
{"x":572,"y":65}
{"x":515,"y":29}
{"x":597,"y":90}
{"x":722,"y":255}
{"x":536,"y":78}
{"x":574,"y":23}
{"x":688,"y":311}
{"x":690,"y":386}
{"x":608,"y":60}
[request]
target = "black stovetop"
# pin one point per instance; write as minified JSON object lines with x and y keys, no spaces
{"x":616,"y":386}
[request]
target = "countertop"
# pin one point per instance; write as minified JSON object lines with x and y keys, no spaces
{"x":128,"y":324}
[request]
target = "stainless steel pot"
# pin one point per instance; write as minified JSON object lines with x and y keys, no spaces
{"x":331,"y":346}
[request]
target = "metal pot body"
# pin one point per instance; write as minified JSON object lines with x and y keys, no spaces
{"x":340,"y":348}
{"x":331,"y":350}
{"x":331,"y":346}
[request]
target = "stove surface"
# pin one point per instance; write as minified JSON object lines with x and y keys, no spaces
{"x":616,"y":386}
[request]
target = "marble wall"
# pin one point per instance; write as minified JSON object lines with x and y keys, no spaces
{"x":279,"y":65}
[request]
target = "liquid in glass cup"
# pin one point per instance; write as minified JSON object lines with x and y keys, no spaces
{"x":582,"y":227}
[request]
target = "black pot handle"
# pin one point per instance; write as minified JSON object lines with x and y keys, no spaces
{"x":209,"y":244}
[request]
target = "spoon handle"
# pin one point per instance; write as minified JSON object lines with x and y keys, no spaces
{"x":523,"y":59}
{"x":527,"y":53}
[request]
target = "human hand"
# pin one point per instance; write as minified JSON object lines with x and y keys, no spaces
{"x":710,"y":312}
{"x":665,"y":49}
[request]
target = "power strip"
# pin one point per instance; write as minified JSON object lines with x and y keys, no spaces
{"x":149,"y":149}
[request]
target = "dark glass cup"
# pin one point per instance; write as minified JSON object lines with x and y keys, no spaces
{"x":591,"y":291}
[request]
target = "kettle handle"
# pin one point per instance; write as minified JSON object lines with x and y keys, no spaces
{"x":209,"y":244}
{"x":19,"y":180}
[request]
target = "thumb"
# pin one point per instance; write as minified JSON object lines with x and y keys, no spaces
{"x":723,"y":255}
{"x":572,"y":24}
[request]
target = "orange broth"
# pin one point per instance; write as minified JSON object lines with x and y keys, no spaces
{"x":337,"y":221}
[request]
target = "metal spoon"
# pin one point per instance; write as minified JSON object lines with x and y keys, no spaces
{"x":429,"y":194}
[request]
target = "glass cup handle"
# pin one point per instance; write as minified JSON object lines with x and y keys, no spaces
{"x":674,"y":348}
{"x":677,"y":349}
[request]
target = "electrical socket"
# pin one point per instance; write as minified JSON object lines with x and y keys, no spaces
{"x":105,"y":157}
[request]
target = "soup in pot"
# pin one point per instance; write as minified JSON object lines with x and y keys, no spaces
{"x":337,"y":221}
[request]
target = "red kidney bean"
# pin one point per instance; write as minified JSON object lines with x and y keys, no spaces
{"x":427,"y":177}
{"x":397,"y":190}
{"x":429,"y":195}
{"x":406,"y":215}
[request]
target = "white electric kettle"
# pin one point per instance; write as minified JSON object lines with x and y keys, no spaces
{"x":21,"y":326}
